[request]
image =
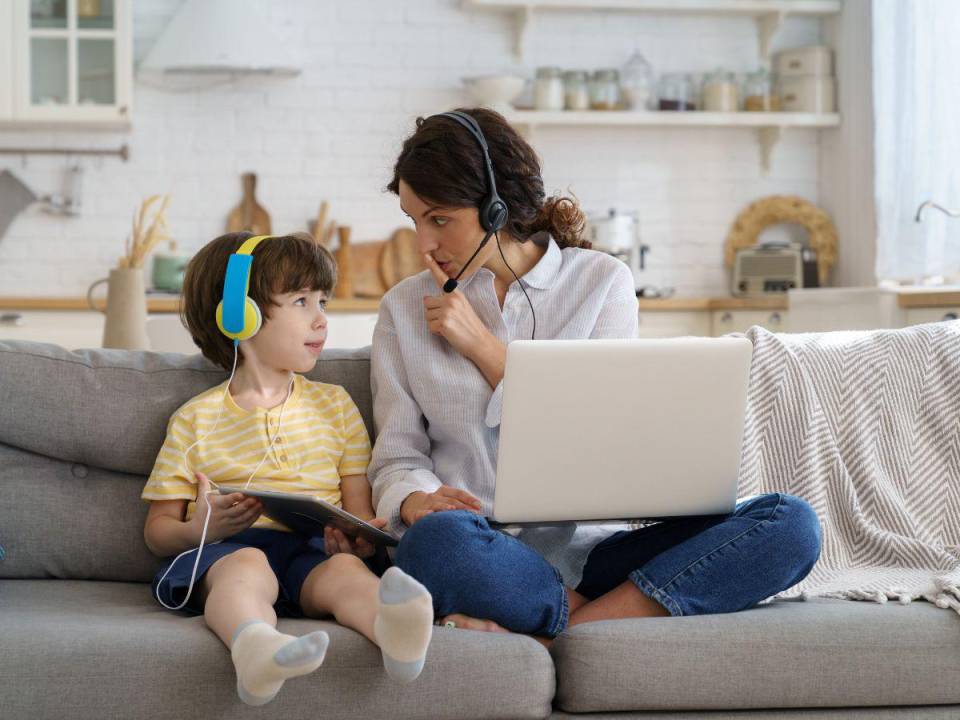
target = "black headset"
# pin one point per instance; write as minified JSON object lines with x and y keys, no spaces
{"x":492,"y":211}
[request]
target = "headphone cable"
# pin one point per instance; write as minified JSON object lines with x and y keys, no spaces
{"x":533,"y":335}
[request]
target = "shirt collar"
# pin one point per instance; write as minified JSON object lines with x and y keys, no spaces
{"x":544,"y":273}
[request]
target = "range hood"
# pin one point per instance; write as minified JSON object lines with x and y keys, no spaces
{"x":220,"y":37}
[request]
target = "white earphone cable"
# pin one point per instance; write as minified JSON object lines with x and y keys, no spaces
{"x":206,"y":521}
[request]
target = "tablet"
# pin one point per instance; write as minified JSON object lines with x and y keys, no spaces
{"x":309,"y":515}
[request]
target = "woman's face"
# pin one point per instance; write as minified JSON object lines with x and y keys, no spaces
{"x":449,"y":235}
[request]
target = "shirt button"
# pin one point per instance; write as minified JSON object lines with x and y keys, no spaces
{"x":279,"y":440}
{"x":283,"y":458}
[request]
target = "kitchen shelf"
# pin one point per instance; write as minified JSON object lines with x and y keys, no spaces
{"x":768,"y":14}
{"x":770,"y":125}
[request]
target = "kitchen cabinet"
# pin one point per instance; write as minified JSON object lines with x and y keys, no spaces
{"x":672,"y":323}
{"x":66,"y":63}
{"x":728,"y":321}
{"x":921,"y":315}
{"x":84,"y":329}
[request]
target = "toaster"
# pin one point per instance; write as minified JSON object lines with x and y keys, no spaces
{"x":774,"y":269}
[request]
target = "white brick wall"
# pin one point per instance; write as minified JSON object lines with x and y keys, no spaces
{"x":370,"y":67}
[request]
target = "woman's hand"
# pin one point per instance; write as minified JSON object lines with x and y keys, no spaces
{"x":452,"y":317}
{"x":229,"y":514}
{"x":336,"y":541}
{"x":420,"y":504}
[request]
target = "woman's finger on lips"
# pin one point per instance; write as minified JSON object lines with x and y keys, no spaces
{"x":438,"y":275}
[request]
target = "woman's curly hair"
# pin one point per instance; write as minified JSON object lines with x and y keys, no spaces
{"x":443,"y":163}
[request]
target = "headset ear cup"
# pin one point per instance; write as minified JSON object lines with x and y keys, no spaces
{"x":493,"y":214}
{"x":252,"y":319}
{"x":498,"y":213}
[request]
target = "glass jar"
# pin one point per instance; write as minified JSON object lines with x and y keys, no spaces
{"x":605,"y":89}
{"x":548,"y":89}
{"x":759,"y":92}
{"x":637,"y":82}
{"x":575,"y":91}
{"x":720,"y":92}
{"x":676,"y":92}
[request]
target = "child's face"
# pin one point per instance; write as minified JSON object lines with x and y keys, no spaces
{"x":293,"y":336}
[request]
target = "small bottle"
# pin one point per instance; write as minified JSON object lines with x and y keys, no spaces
{"x":605,"y":89}
{"x":637,"y":82}
{"x":760,"y":93}
{"x":676,"y":92}
{"x":575,"y":91}
{"x":548,"y":89}
{"x":720,"y":92}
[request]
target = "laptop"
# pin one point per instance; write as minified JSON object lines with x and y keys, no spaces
{"x":615,"y":430}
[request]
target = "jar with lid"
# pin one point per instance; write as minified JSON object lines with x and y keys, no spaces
{"x":676,"y":92}
{"x":720,"y":92}
{"x":636,"y":81}
{"x":548,"y":89}
{"x":605,"y":89}
{"x":759,"y":92}
{"x":575,"y":90}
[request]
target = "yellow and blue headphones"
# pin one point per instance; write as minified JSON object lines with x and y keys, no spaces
{"x":238,"y":316}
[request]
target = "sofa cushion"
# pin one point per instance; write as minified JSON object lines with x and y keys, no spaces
{"x":79,"y":432}
{"x":84,"y":649}
{"x":109,"y":408}
{"x":789,"y":653}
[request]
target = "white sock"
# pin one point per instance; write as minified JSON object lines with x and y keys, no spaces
{"x":265,"y":657}
{"x":403,"y":625}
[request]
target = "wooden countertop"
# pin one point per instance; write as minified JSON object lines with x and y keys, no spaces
{"x":171,"y":303}
{"x":155,"y":304}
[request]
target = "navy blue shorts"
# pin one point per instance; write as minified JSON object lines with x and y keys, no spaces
{"x":291,"y":558}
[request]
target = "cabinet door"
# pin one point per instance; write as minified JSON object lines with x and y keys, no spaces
{"x":919,"y":316}
{"x":672,"y":323}
{"x":72,"y":61}
{"x":727,"y":321}
{"x":6,"y":61}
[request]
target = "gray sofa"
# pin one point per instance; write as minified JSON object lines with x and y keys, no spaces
{"x":80,"y":635}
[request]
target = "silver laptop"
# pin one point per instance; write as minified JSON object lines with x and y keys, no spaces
{"x":612,"y":430}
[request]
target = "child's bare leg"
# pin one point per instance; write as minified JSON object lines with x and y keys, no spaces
{"x":395,"y":612}
{"x":239,"y":592}
{"x":236,"y":589}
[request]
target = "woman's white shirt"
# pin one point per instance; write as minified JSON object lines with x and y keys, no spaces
{"x":436,"y":417}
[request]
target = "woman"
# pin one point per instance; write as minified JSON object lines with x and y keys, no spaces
{"x":437,"y":371}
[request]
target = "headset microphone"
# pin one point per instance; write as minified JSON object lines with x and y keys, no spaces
{"x":450,"y":285}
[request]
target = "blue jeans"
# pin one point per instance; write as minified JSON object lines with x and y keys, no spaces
{"x":691,"y":566}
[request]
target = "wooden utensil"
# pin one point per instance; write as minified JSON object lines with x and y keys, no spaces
{"x":249,"y":215}
{"x":320,"y":224}
{"x":344,"y":288}
{"x":401,"y":257}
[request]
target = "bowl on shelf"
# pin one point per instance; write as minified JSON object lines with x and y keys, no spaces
{"x":495,"y":91}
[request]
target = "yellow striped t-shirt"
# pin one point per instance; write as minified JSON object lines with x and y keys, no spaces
{"x":321,"y":438}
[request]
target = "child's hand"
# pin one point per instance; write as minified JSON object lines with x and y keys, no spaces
{"x":229,"y":514}
{"x":336,"y":541}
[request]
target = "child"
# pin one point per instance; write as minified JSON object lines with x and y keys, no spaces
{"x":268,"y":427}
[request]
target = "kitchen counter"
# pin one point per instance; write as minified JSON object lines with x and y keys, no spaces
{"x":907,"y":298}
{"x":155,"y":304}
{"x":171,"y":304}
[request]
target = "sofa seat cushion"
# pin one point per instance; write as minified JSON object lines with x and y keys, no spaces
{"x":791,"y":653}
{"x":84,"y":649}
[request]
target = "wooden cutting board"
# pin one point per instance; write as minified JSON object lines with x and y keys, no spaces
{"x":400,"y":258}
{"x":249,"y":215}
{"x":365,"y":259}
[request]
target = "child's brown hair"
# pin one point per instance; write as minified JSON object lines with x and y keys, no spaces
{"x":281,"y":264}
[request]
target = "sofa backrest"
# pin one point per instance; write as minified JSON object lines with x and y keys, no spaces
{"x":79,"y":432}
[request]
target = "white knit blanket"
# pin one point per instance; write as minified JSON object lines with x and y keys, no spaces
{"x":865,"y":426}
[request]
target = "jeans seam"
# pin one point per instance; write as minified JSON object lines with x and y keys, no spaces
{"x":715,"y":550}
{"x":564,"y":607}
{"x":650,"y":590}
